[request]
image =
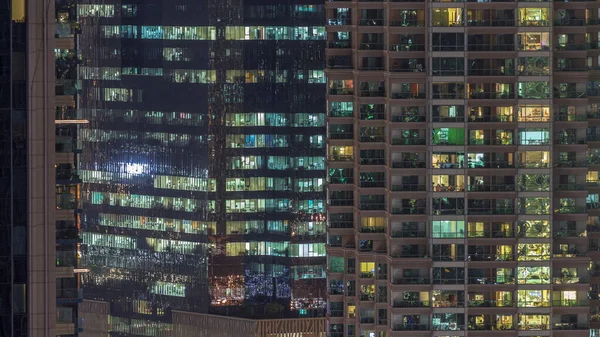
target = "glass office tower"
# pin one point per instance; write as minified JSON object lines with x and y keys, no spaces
{"x":463,"y":168}
{"x":203,"y":162}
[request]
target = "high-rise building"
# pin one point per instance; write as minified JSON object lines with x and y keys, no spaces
{"x":68,"y":181}
{"x":38,"y":287}
{"x":27,"y":284}
{"x":203,"y":162}
{"x":463,"y":168}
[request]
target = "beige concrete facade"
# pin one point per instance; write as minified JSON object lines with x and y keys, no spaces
{"x":40,"y":115}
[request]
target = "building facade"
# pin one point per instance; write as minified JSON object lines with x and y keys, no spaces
{"x":27,"y":240}
{"x":203,"y":161}
{"x":462,"y":158}
{"x":68,"y":181}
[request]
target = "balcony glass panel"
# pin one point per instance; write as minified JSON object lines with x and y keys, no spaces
{"x":341,"y":109}
{"x":533,"y":90}
{"x":341,"y":153}
{"x":448,"y":183}
{"x":533,"y":322}
{"x":534,"y":159}
{"x":341,"y":87}
{"x":448,"y":90}
{"x":533,"y":275}
{"x":448,"y":136}
{"x":448,"y":275}
{"x":447,"y":17}
{"x":448,"y":113}
{"x":448,"y":41}
{"x":448,"y":66}
{"x":534,"y":182}
{"x":534,"y":136}
{"x":533,"y":251}
{"x":534,"y":229}
{"x":534,"y":17}
{"x":448,"y":321}
{"x":534,"y":205}
{"x":448,"y":229}
{"x":534,"y":113}
{"x":447,"y":160}
{"x":534,"y":66}
{"x":533,"y":41}
{"x":533,"y":298}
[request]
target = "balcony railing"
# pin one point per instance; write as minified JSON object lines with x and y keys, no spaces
{"x":491,"y":280}
{"x":570,"y":22}
{"x":570,"y":326}
{"x":409,"y":210}
{"x":410,"y":327}
{"x":408,"y":234}
{"x":408,"y":187}
{"x":491,"y":47}
{"x":409,"y":164}
{"x":570,"y":303}
{"x":490,"y":303}
{"x":408,"y":141}
{"x":410,"y":304}
{"x":411,"y":280}
{"x":407,"y":47}
{"x":492,"y":326}
{"x":341,"y":91}
{"x":409,"y":95}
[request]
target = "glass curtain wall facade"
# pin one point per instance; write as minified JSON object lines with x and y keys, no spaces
{"x":463,"y":163}
{"x":268,"y":138}
{"x":144,"y":83}
{"x":203,"y":162}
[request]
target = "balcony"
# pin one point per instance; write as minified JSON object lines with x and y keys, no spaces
{"x":408,"y":234}
{"x":571,"y":303}
{"x":411,"y":280}
{"x":410,"y":304}
{"x":67,"y":201}
{"x":570,"y":22}
{"x":372,"y":46}
{"x":491,"y":280}
{"x":405,"y":47}
{"x":490,"y":303}
{"x":66,"y":258}
{"x":379,"y":21}
{"x":409,"y":141}
{"x":490,"y":47}
{"x":409,"y":210}
{"x":66,"y":144}
{"x":340,"y":44}
{"x":490,"y":95}
{"x":570,"y":326}
{"x":66,"y":29}
{"x":67,"y":87}
{"x":69,"y":295}
{"x":341,"y":91}
{"x":410,"y":327}
{"x":409,"y":187}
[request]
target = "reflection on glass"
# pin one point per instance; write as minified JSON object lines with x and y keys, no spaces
{"x":533,"y":251}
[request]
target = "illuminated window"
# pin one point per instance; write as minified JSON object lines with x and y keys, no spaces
{"x":448,"y":229}
{"x":533,"y":275}
{"x":533,"y":298}
{"x":97,"y":11}
{"x":367,"y":269}
{"x":341,"y":153}
{"x":533,"y":251}
{"x":534,"y":229}
{"x":307,"y":249}
{"x":534,"y":113}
